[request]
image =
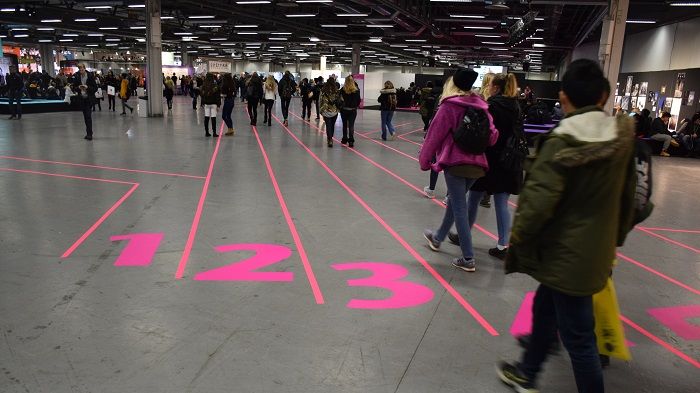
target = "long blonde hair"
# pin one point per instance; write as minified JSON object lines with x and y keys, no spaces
{"x":270,"y":83}
{"x":349,"y":86}
{"x":388,"y":85}
{"x":451,"y":90}
{"x":507,"y":84}
{"x":486,"y":85}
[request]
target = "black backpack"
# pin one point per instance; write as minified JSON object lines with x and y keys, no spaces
{"x":473,"y":134}
{"x":515,"y":149}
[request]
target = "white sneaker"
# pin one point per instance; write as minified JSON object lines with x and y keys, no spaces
{"x":428,"y":192}
{"x":444,"y":201}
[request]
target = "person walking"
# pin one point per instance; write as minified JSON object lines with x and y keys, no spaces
{"x":254,"y":92}
{"x":387,"y":105}
{"x":306,"y":91}
{"x":125,"y":93}
{"x":577,"y":205}
{"x":350,"y":94}
{"x":111,"y":80}
{"x":461,"y":168}
{"x":228,"y":90}
{"x":169,"y":92}
{"x":287,"y":88}
{"x":99,"y":94}
{"x":15,"y":90}
{"x":270,"y":93}
{"x":500,"y":181}
{"x":330,"y":103}
{"x":211,"y":98}
{"x":318,"y":86}
{"x":426,"y":102}
{"x":84,"y":84}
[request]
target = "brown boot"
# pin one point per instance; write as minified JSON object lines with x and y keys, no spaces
{"x":230,"y":132}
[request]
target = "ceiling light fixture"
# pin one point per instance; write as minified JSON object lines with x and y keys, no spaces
{"x":415,"y":40}
{"x":51,"y":21}
{"x":247,"y":33}
{"x":487,"y":36}
{"x":492,"y":43}
{"x":684,"y":4}
{"x":22,"y":36}
{"x":641,"y":21}
{"x":70,"y":35}
{"x":280,"y":33}
{"x":137,"y":27}
{"x":313,"y":1}
{"x":479,"y":27}
{"x":109,"y":28}
{"x":137,"y":6}
{"x":182,"y":33}
{"x":97,"y":7}
{"x":201,"y":17}
{"x":244,"y":26}
{"x":300,"y":15}
{"x":277,"y":39}
{"x":166,"y":17}
{"x":467,"y":16}
{"x":85,"y":20}
{"x":381,"y":26}
{"x":334,"y":26}
{"x":210,"y":26}
{"x":95,"y":35}
{"x":45,"y":29}
{"x":253,"y":2}
{"x":358,"y":15}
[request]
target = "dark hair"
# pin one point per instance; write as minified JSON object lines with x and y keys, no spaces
{"x":429,"y":84}
{"x":209,"y":85}
{"x":228,"y":82}
{"x":584,"y":83}
{"x":645,"y":113}
{"x":665,"y":114}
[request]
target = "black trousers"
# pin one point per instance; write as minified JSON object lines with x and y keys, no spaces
{"x":330,"y":126}
{"x":253,"y":109}
{"x":306,"y":108}
{"x":112,"y":102}
{"x":285,"y":106}
{"x":317,"y":103}
{"x":12,"y":97}
{"x":348,"y":118}
{"x":87,"y":116}
{"x":268,"y":110}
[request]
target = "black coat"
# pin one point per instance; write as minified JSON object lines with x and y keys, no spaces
{"x":505,"y":112}
{"x":352,"y":100}
{"x":89,"y":98}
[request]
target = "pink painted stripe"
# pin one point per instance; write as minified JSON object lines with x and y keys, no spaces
{"x":660,"y":342}
{"x":408,"y":140}
{"x":664,"y":238}
{"x":670,"y":230}
{"x":380,"y":130}
{"x":467,"y":306}
{"x":101,"y":167}
{"x":290,"y":223}
{"x":656,"y":272}
{"x":198,"y":212}
{"x":391,"y":148}
{"x":404,"y":181}
{"x":67,"y":176}
{"x":99,"y":222}
{"x":411,"y":132}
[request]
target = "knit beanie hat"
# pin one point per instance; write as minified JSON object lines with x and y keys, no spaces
{"x":464,"y":78}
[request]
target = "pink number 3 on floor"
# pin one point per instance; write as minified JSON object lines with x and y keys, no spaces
{"x":388,"y":276}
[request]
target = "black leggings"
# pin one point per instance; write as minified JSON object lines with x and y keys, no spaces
{"x":330,"y":126}
{"x":253,"y":109}
{"x":268,"y":110}
{"x":348,"y":118}
{"x":306,"y":108}
{"x":112,"y":103}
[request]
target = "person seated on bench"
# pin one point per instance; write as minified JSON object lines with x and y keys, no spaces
{"x":660,"y":132}
{"x":691,"y":137}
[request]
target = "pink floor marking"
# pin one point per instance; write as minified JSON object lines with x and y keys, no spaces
{"x":677,"y":318}
{"x":245,"y":270}
{"x":660,"y":342}
{"x":522,"y":324}
{"x":68,"y":176}
{"x":140,"y":249}
{"x":411,"y":132}
{"x":670,"y":230}
{"x":467,"y":306}
{"x":656,"y":272}
{"x":380,"y":130}
{"x":408,"y":140}
{"x":99,"y":222}
{"x":310,"y":275}
{"x":671,"y":241}
{"x":198,"y":212}
{"x":101,"y":167}
{"x":390,"y":148}
{"x":402,"y":180}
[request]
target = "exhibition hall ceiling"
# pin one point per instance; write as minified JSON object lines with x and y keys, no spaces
{"x":437,"y":32}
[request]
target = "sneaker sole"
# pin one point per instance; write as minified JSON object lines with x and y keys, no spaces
{"x":430,"y":244}
{"x":466,"y":269}
{"x":512,"y":384}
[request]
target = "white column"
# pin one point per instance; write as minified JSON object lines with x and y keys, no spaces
{"x":611,"y":41}
{"x":356,"y":50}
{"x":297,"y":66}
{"x":154,"y":59}
{"x":323,"y":63}
{"x":46,"y":52}
{"x":184,"y":55}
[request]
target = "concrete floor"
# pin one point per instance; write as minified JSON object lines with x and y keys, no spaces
{"x":150,"y":323}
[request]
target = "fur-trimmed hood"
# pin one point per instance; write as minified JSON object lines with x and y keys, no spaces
{"x":387,"y":91}
{"x":592,"y":136}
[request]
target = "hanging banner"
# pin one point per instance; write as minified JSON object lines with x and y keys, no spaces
{"x":220,"y":66}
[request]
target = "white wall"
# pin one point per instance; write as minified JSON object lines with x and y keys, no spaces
{"x":670,"y":47}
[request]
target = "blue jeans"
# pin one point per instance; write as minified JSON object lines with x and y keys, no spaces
{"x":226,"y":112}
{"x":503,"y":220}
{"x":456,"y":213}
{"x":572,"y":317}
{"x":386,"y":123}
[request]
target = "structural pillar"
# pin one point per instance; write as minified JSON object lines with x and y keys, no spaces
{"x":611,"y":41}
{"x":297,"y":66}
{"x":420,"y":67}
{"x":323,"y":63}
{"x":154,"y":58}
{"x":356,"y":51}
{"x":184,"y":55}
{"x":47,"y":60}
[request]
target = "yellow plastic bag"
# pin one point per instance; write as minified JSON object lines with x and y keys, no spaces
{"x":608,"y":327}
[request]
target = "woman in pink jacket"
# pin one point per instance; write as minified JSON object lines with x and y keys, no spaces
{"x":461,"y":169}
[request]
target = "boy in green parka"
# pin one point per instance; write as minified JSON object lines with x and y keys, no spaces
{"x":576,"y":207}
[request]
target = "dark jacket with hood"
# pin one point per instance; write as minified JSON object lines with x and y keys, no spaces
{"x":88,"y":97}
{"x":505,"y":112}
{"x":659,"y":127}
{"x":577,"y":204}
{"x":351,"y":101}
{"x":286,"y":87}
{"x":427,"y":101}
{"x":386,"y":97}
{"x":211,"y":96}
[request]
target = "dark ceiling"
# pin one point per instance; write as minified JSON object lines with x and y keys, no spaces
{"x":390,"y":31}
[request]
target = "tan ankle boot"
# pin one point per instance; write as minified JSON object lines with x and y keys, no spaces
{"x":230,"y":132}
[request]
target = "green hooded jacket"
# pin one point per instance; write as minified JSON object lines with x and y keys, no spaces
{"x":577,"y":204}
